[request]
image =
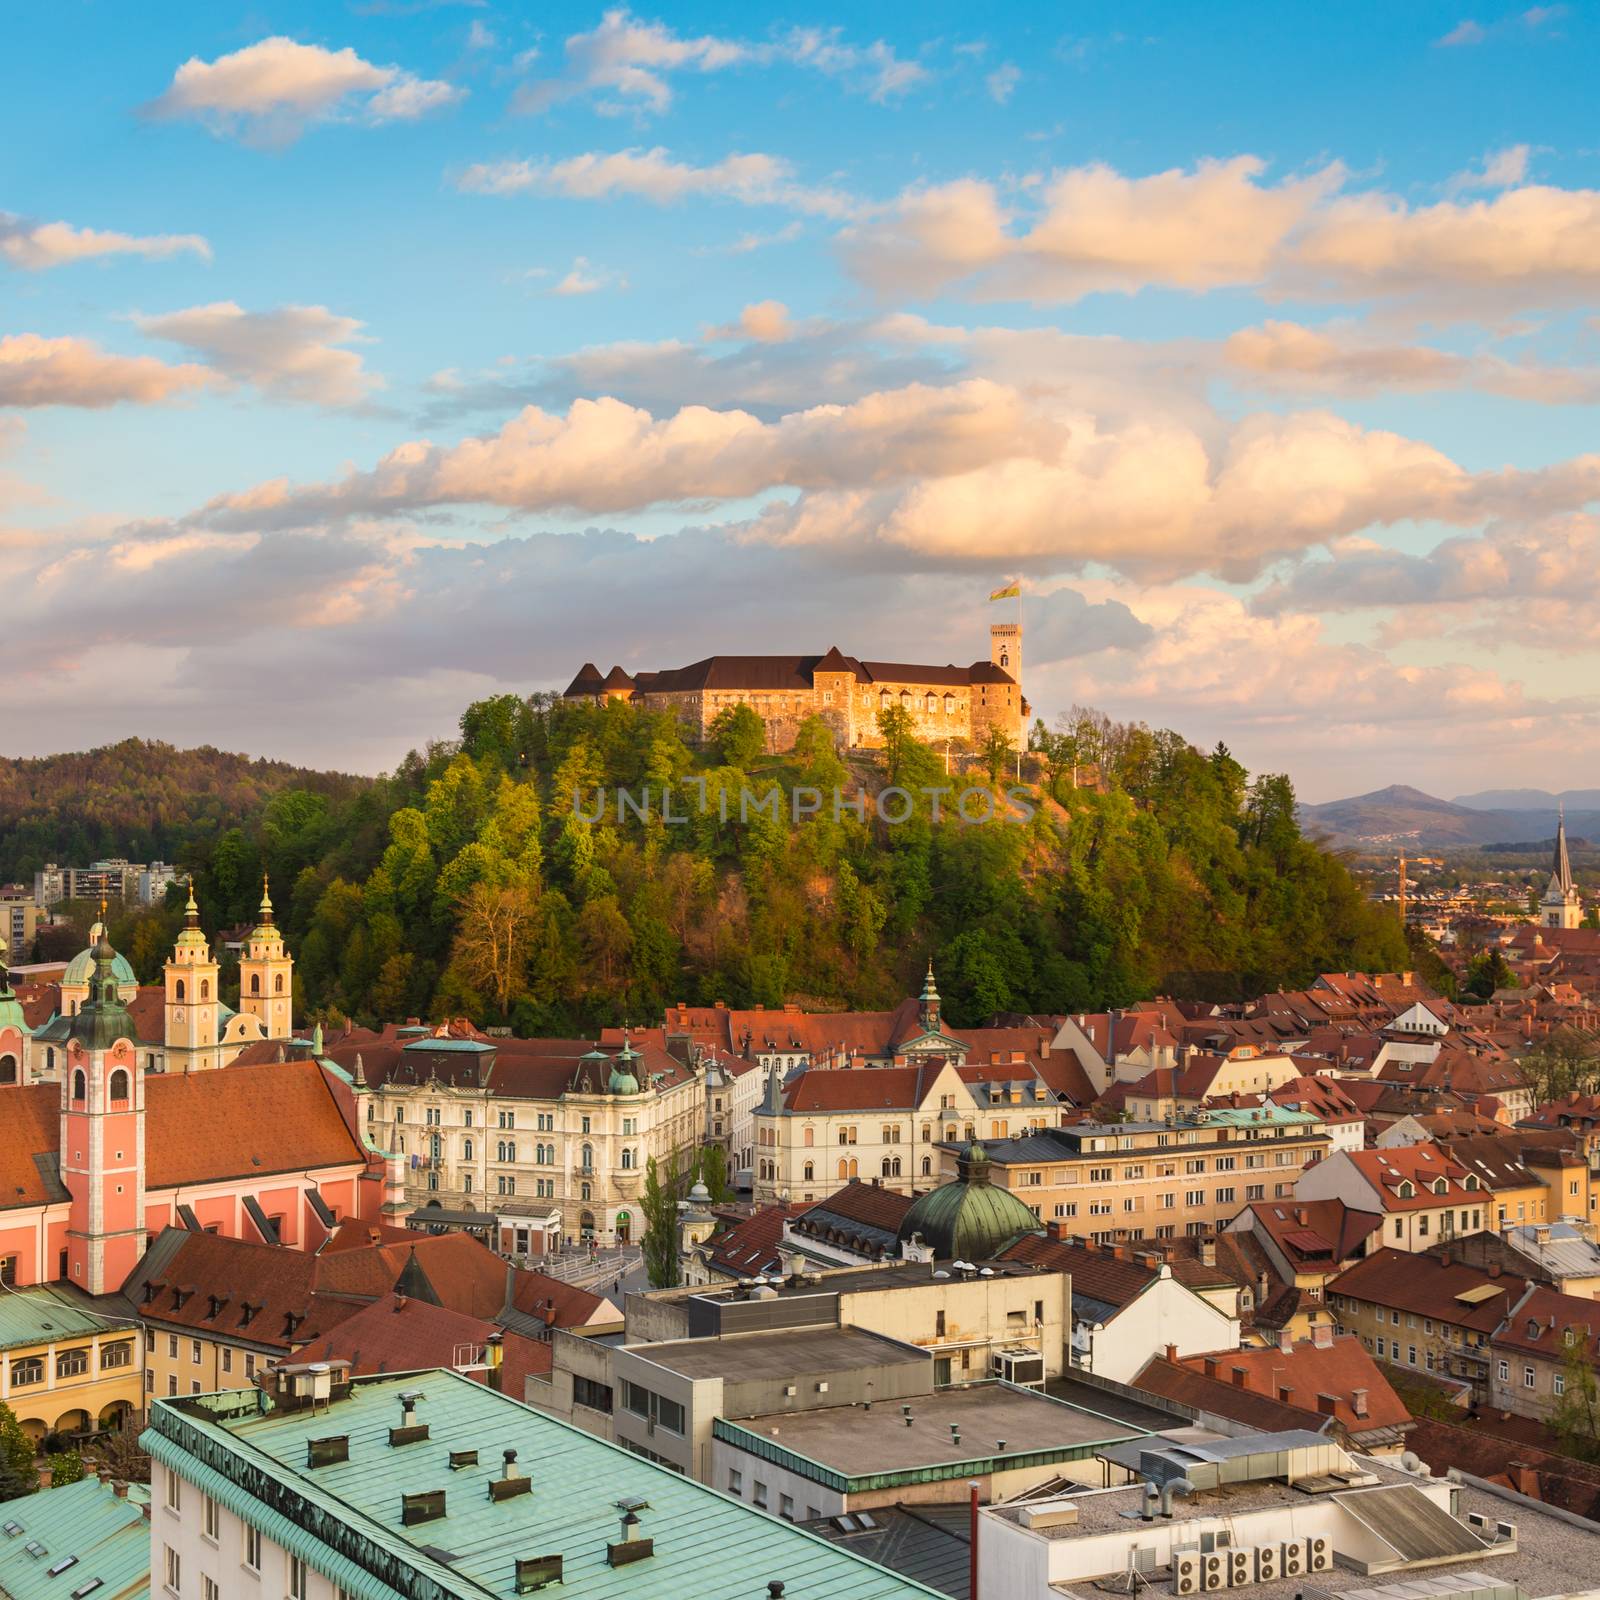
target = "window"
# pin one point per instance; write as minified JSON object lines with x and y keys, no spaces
{"x":786,"y":1507}
{"x":761,"y":1494}
{"x":735,"y":1482}
{"x":1195,"y":1197}
{"x":1527,"y":1377}
{"x":119,"y":1084}
{"x":466,"y":1149}
{"x":252,"y":1548}
{"x":1225,"y":1195}
{"x":213,"y":1518}
{"x":227,"y":1358}
{"x":1504,"y":1371}
{"x":26,"y":1370}
{"x":174,"y":1570}
{"x":1099,"y":1174}
{"x":1226,"y":1163}
{"x":1411,"y":1355}
{"x":80,"y":1084}
{"x":72,"y":1363}
{"x":586,"y":1392}
{"x":209,"y":1588}
{"x":194,"y":1351}
{"x":1560,"y":1384}
{"x":297,"y":1578}
{"x":1380,"y":1347}
{"x":174,"y":1491}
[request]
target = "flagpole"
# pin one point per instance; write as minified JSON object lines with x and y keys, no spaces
{"x":1023,"y":735}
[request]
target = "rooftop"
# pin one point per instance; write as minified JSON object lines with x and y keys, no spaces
{"x":346,"y":1519}
{"x":43,"y":1315}
{"x":747,"y":1357}
{"x":106,"y":1534}
{"x":990,"y":1421}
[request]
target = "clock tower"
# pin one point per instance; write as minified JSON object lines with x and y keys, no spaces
{"x":193,"y":1009}
{"x":266,"y":974}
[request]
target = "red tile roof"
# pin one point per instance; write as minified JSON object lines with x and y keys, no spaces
{"x":1325,"y":1378}
{"x":1172,"y":1380}
{"x":1315,"y":1233}
{"x":453,"y":1269}
{"x":1422,"y":1284}
{"x":30,"y":1138}
{"x":242,"y":1122}
{"x":398,"y":1334}
{"x":1404,"y":1179}
{"x":1100,"y":1274}
{"x":750,"y":1246}
{"x":556,"y":1304}
{"x":1540,"y":1323}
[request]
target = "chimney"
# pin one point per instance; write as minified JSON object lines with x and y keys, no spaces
{"x":1208,"y":1252}
{"x":1494,"y":1269}
{"x":1211,"y":1366}
{"x":1302,"y":1216}
{"x":1358,"y":1402}
{"x":1241,"y":1378}
{"x":1286,"y":1341}
{"x":1172,"y":1353}
{"x":1322,"y":1336}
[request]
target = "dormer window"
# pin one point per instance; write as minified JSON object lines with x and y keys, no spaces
{"x":1470,"y":1181}
{"x":1533,"y":1328}
{"x":1407,"y":1190}
{"x":1440,"y":1186}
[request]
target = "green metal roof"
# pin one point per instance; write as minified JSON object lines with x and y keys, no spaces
{"x":40,"y":1315}
{"x":968,"y":1219}
{"x":81,"y":967}
{"x":108,"y":1535}
{"x":344,"y":1519}
{"x":1267,"y":1115}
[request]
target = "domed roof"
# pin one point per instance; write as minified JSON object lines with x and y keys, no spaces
{"x":625,"y":1071}
{"x":103,"y":1018}
{"x":969,"y":1218}
{"x":81,"y":967}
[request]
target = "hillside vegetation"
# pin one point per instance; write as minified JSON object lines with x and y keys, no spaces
{"x":468,"y":882}
{"x":140,"y":799}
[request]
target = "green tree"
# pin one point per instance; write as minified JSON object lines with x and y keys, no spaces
{"x":17,"y":1474}
{"x":997,"y":753}
{"x":899,"y":734}
{"x":66,"y":1466}
{"x":1566,"y":1060}
{"x":714,"y":1171}
{"x":1575,"y":1418}
{"x":659,"y":1244}
{"x":738,"y":736}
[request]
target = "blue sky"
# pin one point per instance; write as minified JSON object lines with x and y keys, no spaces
{"x":356,"y":361}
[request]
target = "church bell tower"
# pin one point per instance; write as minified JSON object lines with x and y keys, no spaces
{"x":1562,"y":906}
{"x":193,"y":1011}
{"x":266,"y":974}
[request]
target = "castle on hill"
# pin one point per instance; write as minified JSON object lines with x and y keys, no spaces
{"x":948,"y":702}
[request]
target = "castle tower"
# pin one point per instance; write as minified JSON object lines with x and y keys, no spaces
{"x":1561,"y":906}
{"x":1005,"y":647}
{"x":102,"y":1135}
{"x":266,"y":974}
{"x":193,"y":1008}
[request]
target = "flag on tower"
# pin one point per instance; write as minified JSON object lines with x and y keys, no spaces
{"x":1012,"y":591}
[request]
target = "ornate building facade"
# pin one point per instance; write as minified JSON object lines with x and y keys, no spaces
{"x":947,"y":702}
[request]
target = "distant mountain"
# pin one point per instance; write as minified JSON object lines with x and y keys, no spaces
{"x":1531,"y":800}
{"x":1401,"y":815}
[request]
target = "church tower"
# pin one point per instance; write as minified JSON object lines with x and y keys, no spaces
{"x":1561,"y":906}
{"x":928,"y":1003}
{"x":102,"y":1135}
{"x":266,"y":974}
{"x":193,"y":1008}
{"x":1005,"y":647}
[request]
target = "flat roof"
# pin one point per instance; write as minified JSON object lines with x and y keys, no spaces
{"x":891,"y":1275}
{"x":778,"y":1353}
{"x":994,"y":1420}
{"x":346,"y":1518}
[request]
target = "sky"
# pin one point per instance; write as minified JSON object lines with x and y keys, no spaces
{"x":360,"y":361}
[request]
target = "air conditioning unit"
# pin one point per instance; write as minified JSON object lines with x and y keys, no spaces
{"x":1269,"y":1563}
{"x":1294,"y":1558}
{"x":1025,"y":1368}
{"x":1241,"y":1566}
{"x":1319,"y":1555}
{"x":1214,"y":1571}
{"x":1186,"y":1572}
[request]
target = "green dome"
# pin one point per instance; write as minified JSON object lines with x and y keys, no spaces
{"x":103,"y":1018}
{"x":969,"y":1219}
{"x":625,"y":1072}
{"x":81,"y":967}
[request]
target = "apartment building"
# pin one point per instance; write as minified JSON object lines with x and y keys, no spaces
{"x":1129,"y":1181}
{"x":65,"y":1368}
{"x":1423,"y":1194}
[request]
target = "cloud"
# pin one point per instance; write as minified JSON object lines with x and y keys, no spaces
{"x":36,"y":246}
{"x":628,"y":58}
{"x":290,"y":353}
{"x":1291,"y":358}
{"x":1096,"y":231}
{"x":271,"y":91}
{"x":76,"y":372}
{"x":584,"y":278}
{"x":765,"y":321}
{"x":752,"y":180}
{"x":627,"y":62}
{"x":1464,"y":33}
{"x":1221,"y":225}
{"x":875,"y":67}
{"x":748,"y":242}
{"x":1501,"y":169}
{"x":1001,"y":82}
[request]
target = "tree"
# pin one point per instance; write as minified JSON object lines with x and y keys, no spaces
{"x":606,"y":937}
{"x":714,"y":1171}
{"x":659,"y":1243}
{"x":997,"y":752}
{"x":738,"y":736}
{"x":491,"y":944}
{"x":1575,"y":1418}
{"x":899,"y":735}
{"x":1568,"y":1059}
{"x":17,"y":1475}
{"x":1488,"y":971}
{"x":121,"y":1459}
{"x":66,"y":1466}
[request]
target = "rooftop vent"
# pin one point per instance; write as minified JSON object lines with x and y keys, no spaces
{"x":534,"y":1572}
{"x":510,"y":1483}
{"x":410,"y":1430}
{"x":326,"y":1451}
{"x":425,"y":1507}
{"x":463,"y":1458}
{"x":629,"y":1547}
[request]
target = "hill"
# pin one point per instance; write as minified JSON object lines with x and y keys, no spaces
{"x":140,"y":799}
{"x":1575,"y":800}
{"x":1400,"y":815}
{"x":500,"y":876}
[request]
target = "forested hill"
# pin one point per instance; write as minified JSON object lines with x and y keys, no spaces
{"x":139,"y":799}
{"x":468,"y":883}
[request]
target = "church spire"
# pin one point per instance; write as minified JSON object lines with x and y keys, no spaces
{"x":1563,"y":863}
{"x":265,"y":911}
{"x":928,"y":1006}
